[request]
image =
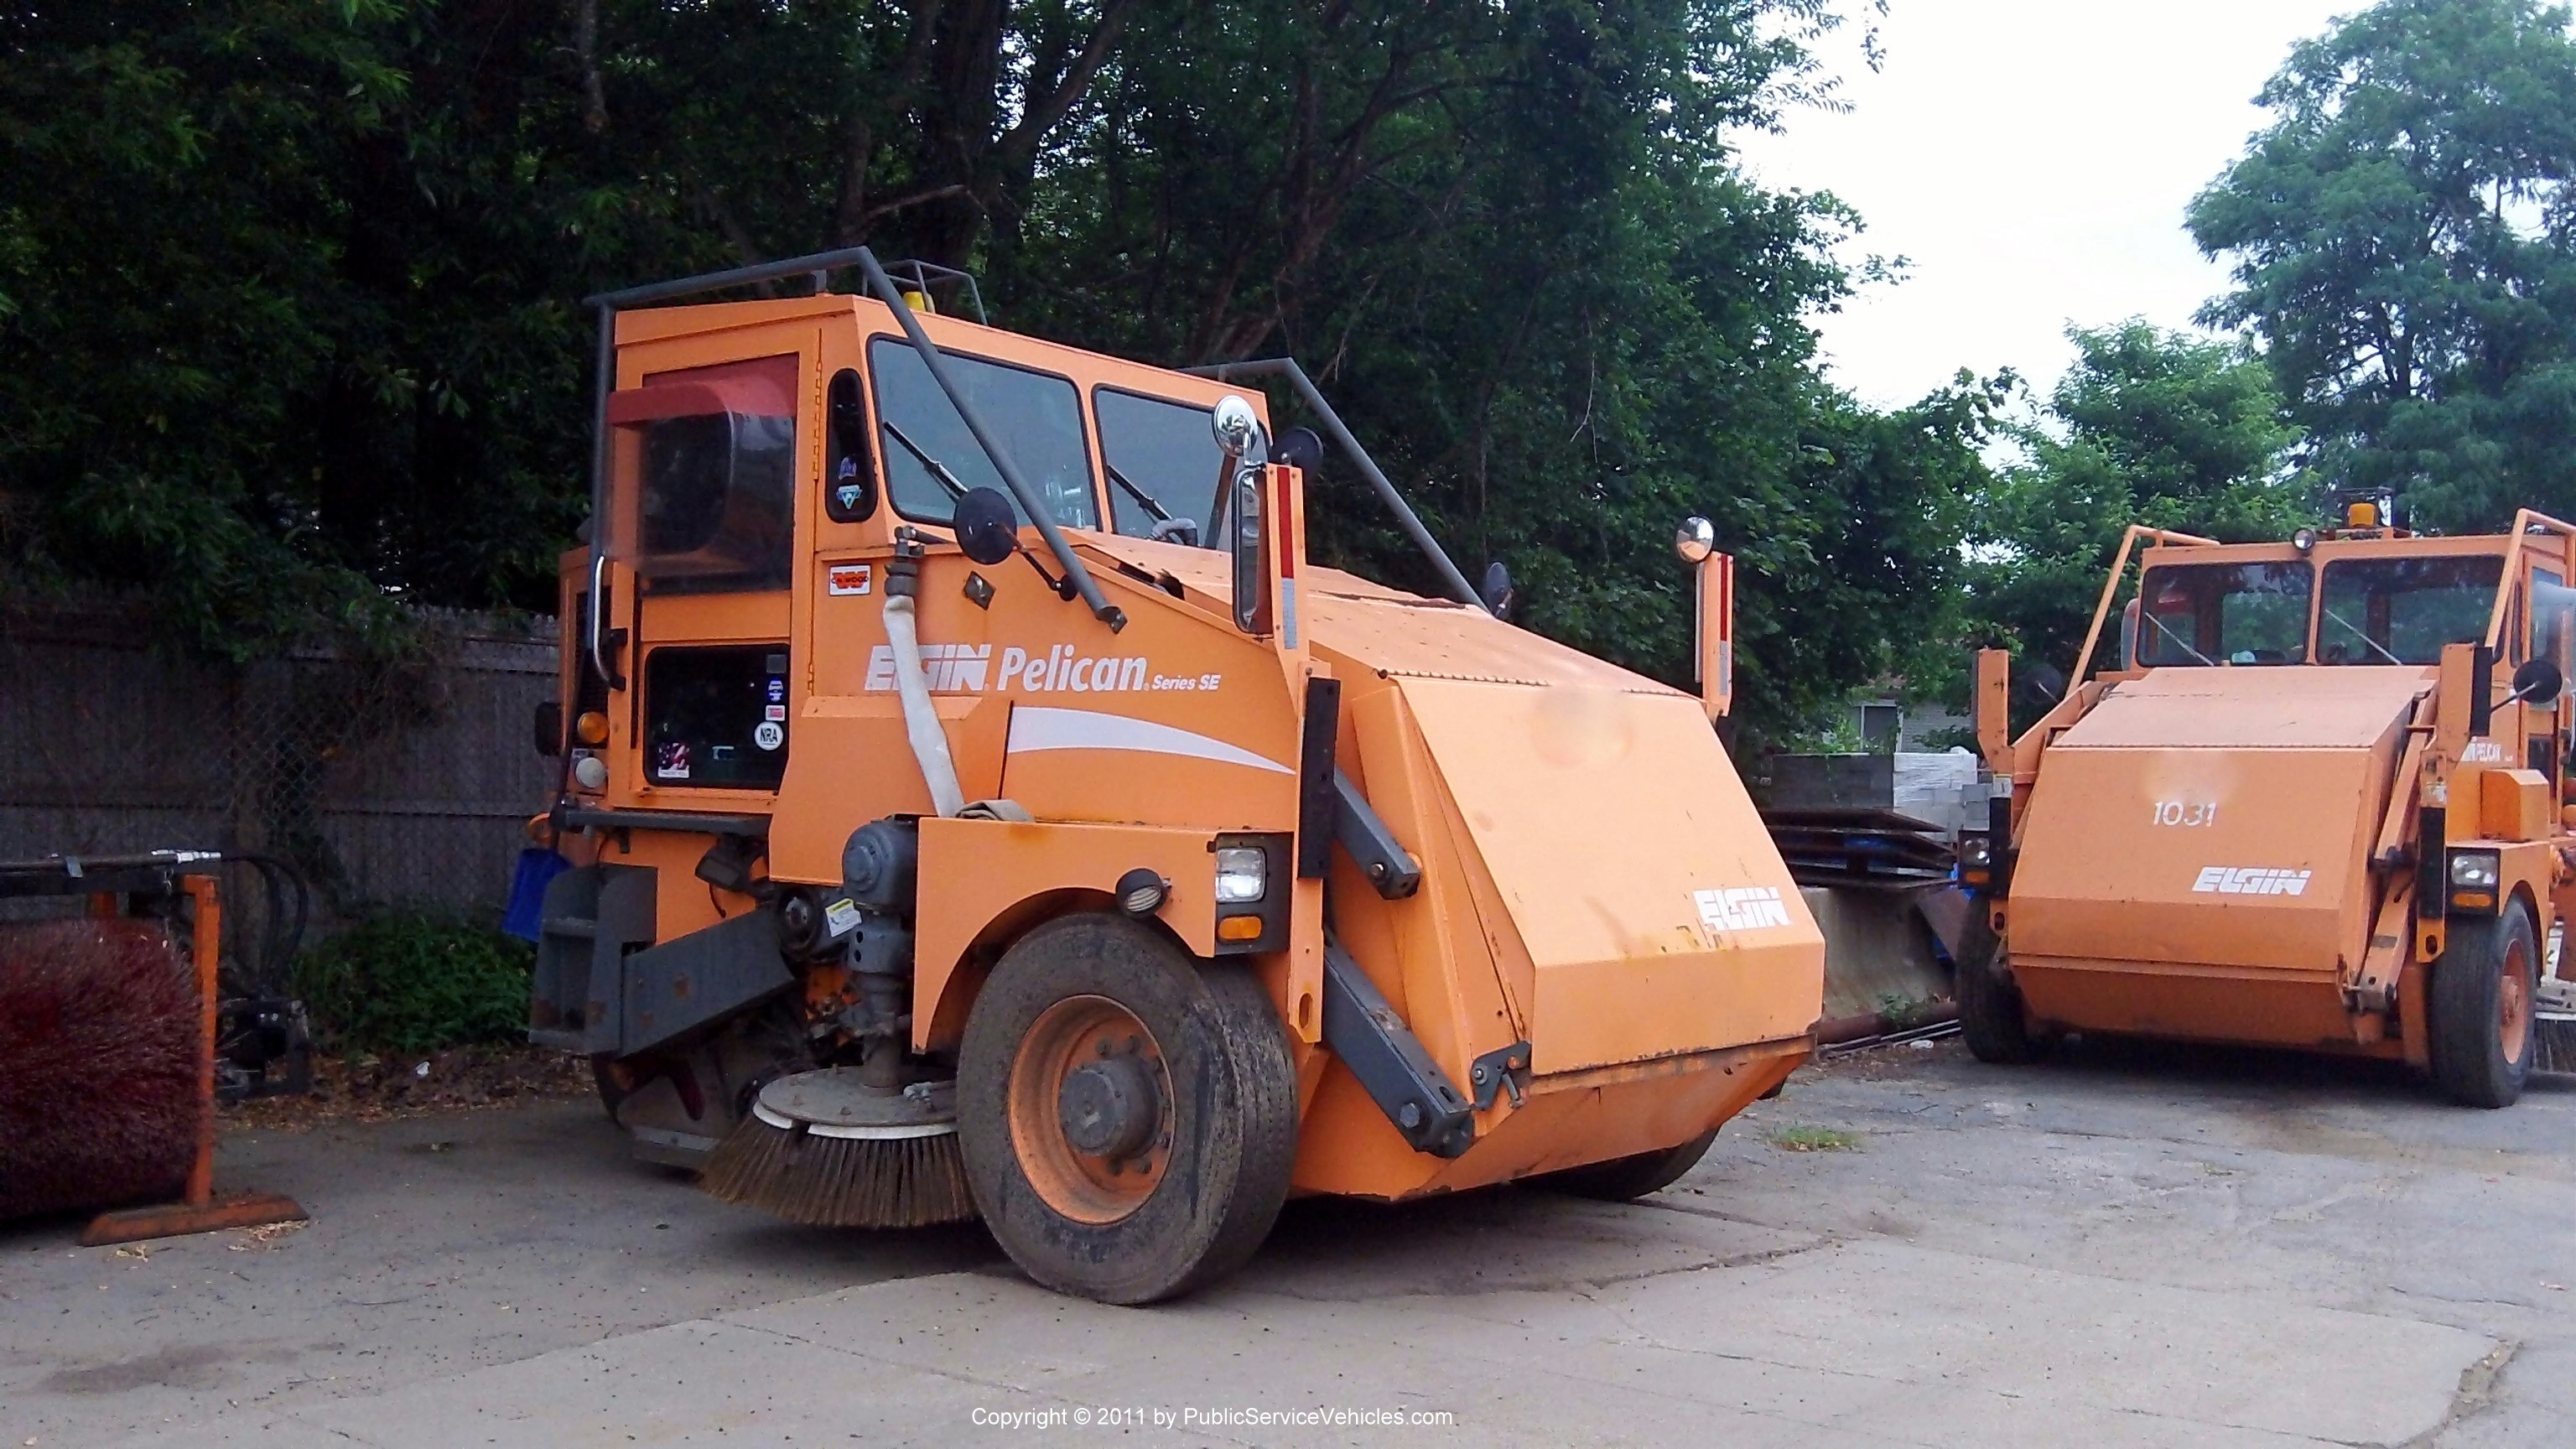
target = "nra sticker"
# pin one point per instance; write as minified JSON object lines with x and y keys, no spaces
{"x":852,"y":578}
{"x":769,"y":735}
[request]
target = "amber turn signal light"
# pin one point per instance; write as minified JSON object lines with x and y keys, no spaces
{"x":591,"y":728}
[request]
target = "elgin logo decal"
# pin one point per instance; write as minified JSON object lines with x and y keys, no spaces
{"x":2251,"y":880}
{"x":968,"y":669}
{"x":1741,"y":908}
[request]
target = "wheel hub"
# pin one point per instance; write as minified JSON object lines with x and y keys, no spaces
{"x":2513,"y":1003}
{"x":1090,"y":1107}
{"x":1109,"y":1108}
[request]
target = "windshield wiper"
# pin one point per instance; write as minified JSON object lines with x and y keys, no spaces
{"x":938,"y":470}
{"x":2167,"y":630}
{"x":1165,"y":525}
{"x":2363,"y":637}
{"x":1150,"y":503}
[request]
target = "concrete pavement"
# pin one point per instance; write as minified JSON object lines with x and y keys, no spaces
{"x":2133,"y":1247}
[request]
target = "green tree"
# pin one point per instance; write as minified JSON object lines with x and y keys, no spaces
{"x":2148,"y":426}
{"x":289,"y":321}
{"x":2401,"y":237}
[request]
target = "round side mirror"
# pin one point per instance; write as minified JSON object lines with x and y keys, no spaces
{"x":1695,"y":540}
{"x":1235,"y":423}
{"x":988,"y":529}
{"x":1299,"y":448}
{"x":1496,"y":589}
{"x":2538,"y":682}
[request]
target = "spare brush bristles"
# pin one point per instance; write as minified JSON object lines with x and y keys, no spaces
{"x":842,"y":1177}
{"x":100,"y":1097}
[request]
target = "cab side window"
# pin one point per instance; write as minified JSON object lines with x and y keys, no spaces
{"x":707,"y":459}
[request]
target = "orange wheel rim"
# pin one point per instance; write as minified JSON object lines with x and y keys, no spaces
{"x":2513,"y":1002}
{"x":1091,"y":1109}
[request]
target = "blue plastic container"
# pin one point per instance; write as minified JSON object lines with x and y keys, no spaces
{"x":538,"y":866}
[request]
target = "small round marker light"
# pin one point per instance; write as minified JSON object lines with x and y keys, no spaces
{"x":590,"y":772}
{"x":591,"y":728}
{"x":2304,"y":539}
{"x":1141,"y":892}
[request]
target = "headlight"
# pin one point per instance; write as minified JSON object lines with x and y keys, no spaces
{"x":2473,"y":869}
{"x":1242,"y":874}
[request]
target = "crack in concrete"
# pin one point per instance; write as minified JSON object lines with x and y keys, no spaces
{"x":2475,"y":1395}
{"x":1571,"y":1283}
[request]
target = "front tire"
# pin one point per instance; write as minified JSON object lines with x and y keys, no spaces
{"x":2478,"y":1009}
{"x":1128,"y":1113}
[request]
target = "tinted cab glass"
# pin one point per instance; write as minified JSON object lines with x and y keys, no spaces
{"x":2251,"y":613}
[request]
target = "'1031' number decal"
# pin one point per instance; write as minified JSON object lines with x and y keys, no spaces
{"x":2180,"y":812}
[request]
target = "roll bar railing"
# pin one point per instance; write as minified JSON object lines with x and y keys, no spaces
{"x":1313,"y":398}
{"x":819,"y":266}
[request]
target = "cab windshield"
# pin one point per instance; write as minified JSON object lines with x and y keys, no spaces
{"x":2403,"y":610}
{"x":2248,"y":613}
{"x":932,"y":459}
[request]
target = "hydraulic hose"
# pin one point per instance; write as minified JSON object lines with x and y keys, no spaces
{"x":920,"y":717}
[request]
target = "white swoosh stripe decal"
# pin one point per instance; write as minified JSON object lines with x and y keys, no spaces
{"x":1035,"y":727}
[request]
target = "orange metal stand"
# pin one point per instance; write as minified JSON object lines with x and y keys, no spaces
{"x":200,"y":1211}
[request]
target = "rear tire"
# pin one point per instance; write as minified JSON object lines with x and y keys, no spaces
{"x":1184,"y":1187}
{"x":2478,"y":1009}
{"x":1625,"y":1179}
{"x":1991,"y":1014}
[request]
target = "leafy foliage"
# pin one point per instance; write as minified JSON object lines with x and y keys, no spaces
{"x":417,"y":981}
{"x":2150,"y":427}
{"x":2402,"y":236}
{"x":289,"y":328}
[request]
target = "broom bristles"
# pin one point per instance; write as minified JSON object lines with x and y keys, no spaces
{"x":841,"y":1182}
{"x":100,"y":1099}
{"x":2553,"y":1046}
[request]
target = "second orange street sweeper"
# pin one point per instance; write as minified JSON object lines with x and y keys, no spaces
{"x":976,"y":803}
{"x":2318,"y":801}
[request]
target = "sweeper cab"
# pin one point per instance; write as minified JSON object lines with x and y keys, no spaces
{"x":2318,"y":800}
{"x":975,"y":802}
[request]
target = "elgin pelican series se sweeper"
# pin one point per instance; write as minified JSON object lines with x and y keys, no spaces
{"x":976,"y":803}
{"x":2319,"y":803}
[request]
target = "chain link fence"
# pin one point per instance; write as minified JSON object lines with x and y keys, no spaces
{"x":374,"y":783}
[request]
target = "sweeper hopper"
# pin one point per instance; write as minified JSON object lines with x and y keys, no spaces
{"x":977,"y":803}
{"x":2318,"y":802}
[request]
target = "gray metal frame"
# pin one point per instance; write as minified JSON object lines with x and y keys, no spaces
{"x":1313,"y":397}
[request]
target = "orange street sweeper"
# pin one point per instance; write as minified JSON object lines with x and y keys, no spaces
{"x":976,"y":803}
{"x":2317,"y":802}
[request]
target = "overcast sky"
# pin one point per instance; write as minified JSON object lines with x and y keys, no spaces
{"x":2032,"y":159}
